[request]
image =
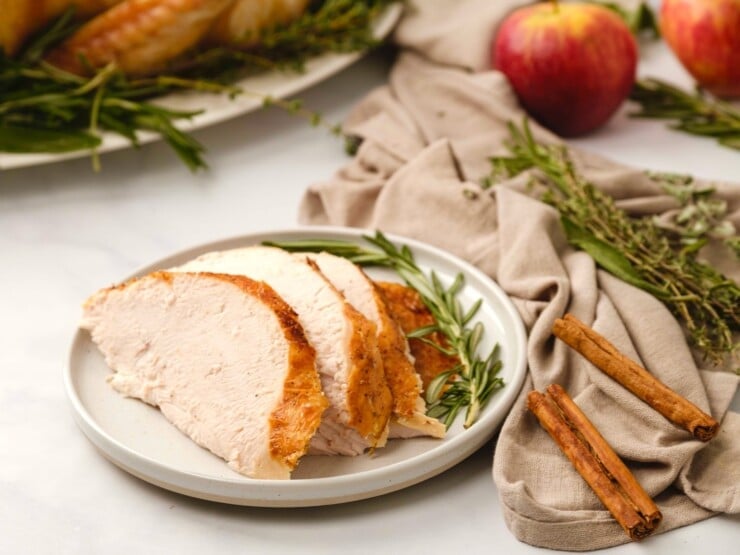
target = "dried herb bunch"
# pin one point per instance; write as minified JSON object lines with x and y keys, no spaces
{"x":694,"y":113}
{"x":468,"y":385}
{"x":635,"y":250}
{"x":43,"y":109}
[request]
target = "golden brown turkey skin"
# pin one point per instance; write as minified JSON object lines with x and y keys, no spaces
{"x":408,"y":309}
{"x":20,"y":19}
{"x":139,"y":36}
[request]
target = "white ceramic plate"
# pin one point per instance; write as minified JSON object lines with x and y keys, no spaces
{"x":218,"y":108}
{"x":136,"y":436}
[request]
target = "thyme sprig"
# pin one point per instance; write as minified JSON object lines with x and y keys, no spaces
{"x":473,"y":380}
{"x":339,"y":26}
{"x":633,"y":249}
{"x":693,"y":112}
{"x":44,"y":109}
{"x":701,"y":216}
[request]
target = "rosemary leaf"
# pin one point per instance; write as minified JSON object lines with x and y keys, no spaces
{"x":470,"y":384}
{"x":694,"y":113}
{"x":422,"y":332}
{"x":59,"y":30}
{"x":24,"y":139}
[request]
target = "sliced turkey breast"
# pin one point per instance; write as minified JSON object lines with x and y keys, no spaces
{"x":223,"y":357}
{"x":345,"y":341}
{"x":408,"y":417}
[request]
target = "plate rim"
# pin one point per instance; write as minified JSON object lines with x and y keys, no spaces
{"x":329,"y":64}
{"x":272,"y":493}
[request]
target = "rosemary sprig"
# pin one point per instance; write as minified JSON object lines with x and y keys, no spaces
{"x":44,"y":109}
{"x":471,"y":383}
{"x":633,"y":249}
{"x":693,"y":113}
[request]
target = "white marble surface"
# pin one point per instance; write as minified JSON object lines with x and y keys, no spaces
{"x":66,"y":231}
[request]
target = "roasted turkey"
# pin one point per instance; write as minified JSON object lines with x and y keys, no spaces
{"x":141,"y":36}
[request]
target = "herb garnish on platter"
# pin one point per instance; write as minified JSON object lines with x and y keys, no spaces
{"x":44,"y":109}
{"x":635,"y":250}
{"x":471,"y":383}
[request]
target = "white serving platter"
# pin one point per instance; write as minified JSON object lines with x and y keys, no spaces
{"x":137,"y":438}
{"x":219,"y":107}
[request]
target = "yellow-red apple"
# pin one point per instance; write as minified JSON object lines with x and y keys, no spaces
{"x":705,"y":35}
{"x":570,"y":65}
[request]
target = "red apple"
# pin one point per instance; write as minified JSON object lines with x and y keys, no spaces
{"x":571,"y":65}
{"x":705,"y":35}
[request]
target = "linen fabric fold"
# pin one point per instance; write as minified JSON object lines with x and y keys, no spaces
{"x":426,"y":141}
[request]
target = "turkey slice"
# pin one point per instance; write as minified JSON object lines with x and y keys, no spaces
{"x":223,"y":357}
{"x":347,"y":356}
{"x":409,"y":418}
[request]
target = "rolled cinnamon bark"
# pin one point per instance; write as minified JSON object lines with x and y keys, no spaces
{"x":610,"y":461}
{"x":596,"y":462}
{"x":605,"y":356}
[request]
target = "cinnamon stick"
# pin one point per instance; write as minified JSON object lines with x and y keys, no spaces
{"x":595,"y":461}
{"x":605,"y":356}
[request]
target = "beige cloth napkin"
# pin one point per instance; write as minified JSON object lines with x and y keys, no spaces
{"x":426,"y":139}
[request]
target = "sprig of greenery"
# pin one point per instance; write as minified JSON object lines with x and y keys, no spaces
{"x":701,"y":216}
{"x":633,"y":249}
{"x":339,"y":26}
{"x":295,"y":107}
{"x":60,"y":112}
{"x":693,"y":113}
{"x":641,"y":21}
{"x":469,"y":384}
{"x":44,"y":109}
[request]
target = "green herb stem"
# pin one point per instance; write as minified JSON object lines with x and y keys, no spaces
{"x":48,"y":102}
{"x":694,"y":113}
{"x":635,"y":250}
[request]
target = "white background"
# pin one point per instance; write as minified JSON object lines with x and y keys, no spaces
{"x":66,"y":231}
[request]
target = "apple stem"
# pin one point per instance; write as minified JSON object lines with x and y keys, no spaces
{"x":555,"y":5}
